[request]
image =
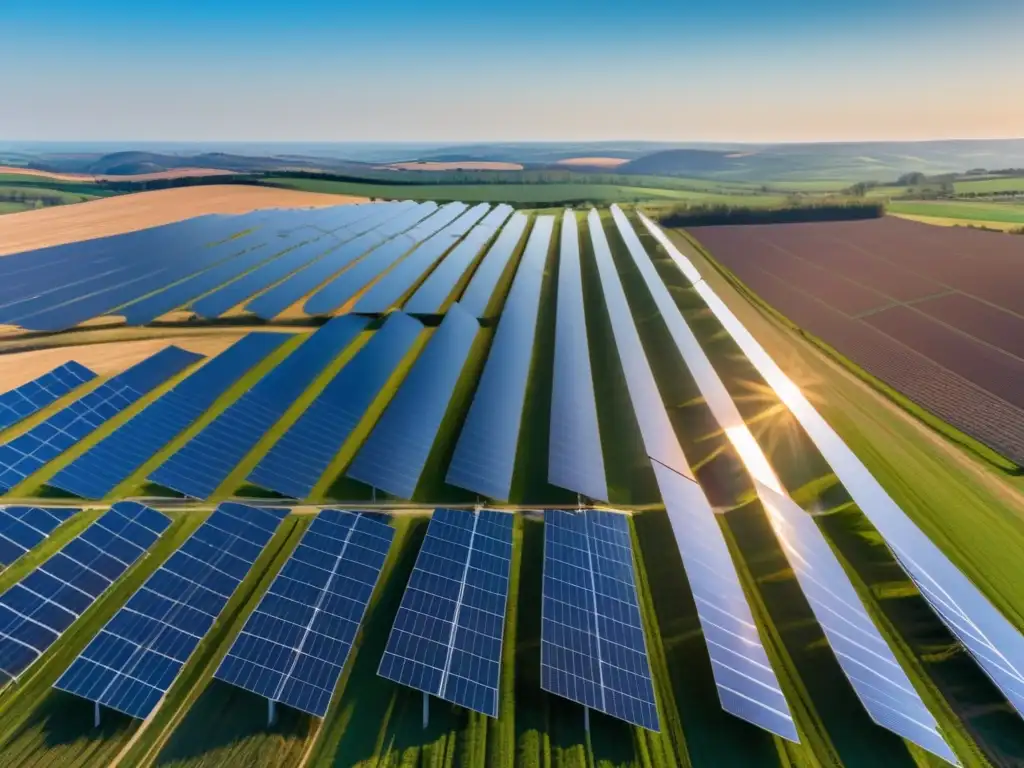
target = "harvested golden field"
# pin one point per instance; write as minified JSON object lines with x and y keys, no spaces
{"x":17,"y":368}
{"x":593,"y":162}
{"x":126,"y":213}
{"x":173,"y":173}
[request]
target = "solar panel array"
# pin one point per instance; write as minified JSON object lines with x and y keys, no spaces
{"x":390,"y":289}
{"x":32,"y":397}
{"x":477,"y":297}
{"x":297,"y":461}
{"x":447,"y":635}
{"x":996,"y":645}
{"x":346,"y":286}
{"x":28,"y":452}
{"x":356,"y":236}
{"x":485,"y":455}
{"x":575,"y":459}
{"x":109,"y":462}
{"x":22,"y":528}
{"x":432,"y":294}
{"x":293,"y":647}
{"x":394,"y":455}
{"x":39,"y":608}
{"x":593,"y":649}
{"x":747,"y":685}
{"x":655,"y":427}
{"x":199,"y":467}
{"x":137,"y":655}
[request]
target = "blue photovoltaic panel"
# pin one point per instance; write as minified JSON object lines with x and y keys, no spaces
{"x":346,"y":286}
{"x":234,"y":293}
{"x":485,"y":455}
{"x":21,"y":528}
{"x":658,"y":435}
{"x":26,"y":453}
{"x":447,"y":636}
{"x":396,"y":283}
{"x":865,"y":658}
{"x":23,"y":401}
{"x":747,"y":685}
{"x":136,"y":657}
{"x":432,"y":294}
{"x":103,"y":467}
{"x":478,"y":293}
{"x":592,"y":644}
{"x":575,"y":459}
{"x":293,"y":647}
{"x":393,"y":456}
{"x":297,"y":461}
{"x":199,"y":467}
{"x":39,"y":608}
{"x":996,"y":645}
{"x":365,"y":234}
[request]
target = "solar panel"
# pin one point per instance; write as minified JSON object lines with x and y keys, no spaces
{"x":432,"y":294}
{"x":297,"y":461}
{"x":294,"y":646}
{"x":477,"y":296}
{"x":485,"y":455}
{"x":397,"y":282}
{"x":592,"y":645}
{"x":368,"y":232}
{"x":112,"y":460}
{"x":394,"y":455}
{"x":39,"y":608}
{"x":32,"y":397}
{"x":575,"y":460}
{"x":28,"y":452}
{"x":995,"y":644}
{"x":447,"y":636}
{"x":655,"y":427}
{"x":22,"y":528}
{"x":136,"y":657}
{"x":346,"y":286}
{"x":199,"y":467}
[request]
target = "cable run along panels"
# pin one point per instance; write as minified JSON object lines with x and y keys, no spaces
{"x":138,"y":654}
{"x":394,"y":455}
{"x":575,"y":459}
{"x":996,"y":645}
{"x":747,"y":685}
{"x":296,"y":462}
{"x":294,"y":646}
{"x":485,"y":455}
{"x":37,"y":610}
{"x":107,"y":464}
{"x":199,"y":467}
{"x":864,"y":656}
{"x":447,"y":635}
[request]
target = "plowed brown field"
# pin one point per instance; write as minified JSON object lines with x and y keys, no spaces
{"x":937,"y":314}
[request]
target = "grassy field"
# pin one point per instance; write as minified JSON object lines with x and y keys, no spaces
{"x":990,"y":185}
{"x":967,"y":212}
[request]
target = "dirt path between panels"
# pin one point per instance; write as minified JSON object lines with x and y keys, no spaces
{"x":126,"y":213}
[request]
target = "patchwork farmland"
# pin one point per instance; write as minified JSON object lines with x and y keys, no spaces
{"x":460,"y":485}
{"x":937,"y":315}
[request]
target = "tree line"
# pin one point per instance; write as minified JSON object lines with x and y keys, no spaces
{"x":718,"y":215}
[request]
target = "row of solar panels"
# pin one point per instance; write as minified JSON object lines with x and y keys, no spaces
{"x":376,"y":254}
{"x":447,"y":635}
{"x":746,"y":682}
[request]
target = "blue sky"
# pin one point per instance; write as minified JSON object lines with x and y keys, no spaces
{"x":674,"y":70}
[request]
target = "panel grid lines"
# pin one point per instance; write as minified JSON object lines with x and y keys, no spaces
{"x":22,"y":528}
{"x":39,"y":608}
{"x":35,"y":395}
{"x":447,"y":636}
{"x":138,"y":654}
{"x":293,"y":647}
